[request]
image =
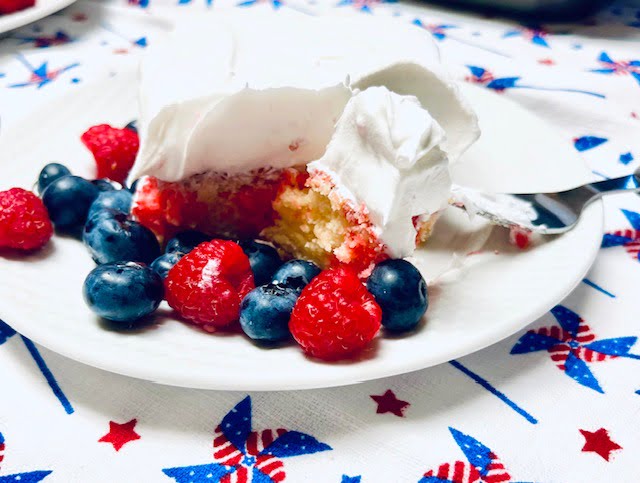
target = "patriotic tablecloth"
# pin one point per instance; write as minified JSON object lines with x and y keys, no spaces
{"x":557,"y":402}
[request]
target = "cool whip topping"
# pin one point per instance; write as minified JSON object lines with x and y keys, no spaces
{"x":406,"y":173}
{"x":250,"y":89}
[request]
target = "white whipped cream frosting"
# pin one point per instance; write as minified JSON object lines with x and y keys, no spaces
{"x":247,"y":90}
{"x":406,"y":174}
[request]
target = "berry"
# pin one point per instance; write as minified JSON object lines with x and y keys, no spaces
{"x":401,"y":292}
{"x":111,"y":200}
{"x":165,"y":262}
{"x":104,"y":184}
{"x":133,"y":125}
{"x":114,"y":150}
{"x":123,"y":291}
{"x":24,"y":221}
{"x":10,"y":6}
{"x":265,"y":312}
{"x":186,"y":241}
{"x":335,"y":316}
{"x":264,"y":260}
{"x":296,"y":274}
{"x":111,"y":237}
{"x":50,"y":173}
{"x":68,"y":200}
{"x":134,"y":186}
{"x":207,"y":284}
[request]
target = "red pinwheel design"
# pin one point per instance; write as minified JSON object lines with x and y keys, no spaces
{"x":535,"y":35}
{"x":618,"y":67}
{"x":439,"y":31}
{"x":366,"y":6}
{"x":482,"y":464}
{"x":572,"y":345}
{"x":242,"y":455}
{"x":628,"y":238}
{"x":44,"y":41}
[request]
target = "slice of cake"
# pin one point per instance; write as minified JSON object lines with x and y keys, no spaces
{"x":330,"y":137}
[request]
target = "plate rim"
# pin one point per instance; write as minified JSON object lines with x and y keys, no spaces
{"x":24,"y":17}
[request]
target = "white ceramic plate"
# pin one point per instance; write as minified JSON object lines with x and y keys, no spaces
{"x":490,"y":297}
{"x":41,"y":9}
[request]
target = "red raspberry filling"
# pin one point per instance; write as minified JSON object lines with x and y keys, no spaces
{"x":207,"y":285}
{"x":335,"y":316}
{"x":114,"y":150}
{"x":24,"y":221}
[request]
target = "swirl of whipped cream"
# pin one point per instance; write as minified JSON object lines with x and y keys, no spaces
{"x":406,"y":174}
{"x":245,"y":90}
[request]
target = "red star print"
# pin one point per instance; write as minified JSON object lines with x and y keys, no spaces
{"x":120,"y":434}
{"x":546,"y":61}
{"x":599,"y":442}
{"x":389,"y":403}
{"x":79,"y":17}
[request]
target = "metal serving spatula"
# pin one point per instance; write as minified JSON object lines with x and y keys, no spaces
{"x":544,"y":213}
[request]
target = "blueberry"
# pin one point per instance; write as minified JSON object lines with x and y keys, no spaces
{"x":50,"y":173}
{"x":134,"y":186}
{"x":186,"y":241}
{"x":123,"y":291}
{"x":165,"y":262}
{"x":111,"y":237}
{"x":296,"y":274}
{"x":264,"y":260}
{"x":68,"y":200}
{"x":265,"y":312}
{"x":401,"y":293}
{"x":133,"y":125}
{"x":104,"y":184}
{"x":111,"y":200}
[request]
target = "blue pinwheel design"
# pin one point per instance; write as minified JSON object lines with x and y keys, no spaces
{"x":618,"y":67}
{"x":628,"y":238}
{"x":242,"y":455}
{"x":41,"y":75}
{"x":584,"y":143}
{"x":208,"y":3}
{"x":439,"y":31}
{"x":365,"y":6}
{"x":276,"y":4}
{"x":482,"y":464}
{"x":535,"y":35}
{"x":28,"y":477}
{"x":45,"y":41}
{"x":572,"y":345}
{"x":484,"y":77}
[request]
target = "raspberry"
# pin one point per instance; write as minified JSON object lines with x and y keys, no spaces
{"x":24,"y":221}
{"x":335,"y":316}
{"x":207,"y":285}
{"x":113,"y":149}
{"x":10,"y":6}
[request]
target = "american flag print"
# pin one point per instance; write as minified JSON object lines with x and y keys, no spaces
{"x":482,"y":464}
{"x":242,"y":455}
{"x":572,"y":346}
{"x":28,"y":477}
{"x":628,"y":238}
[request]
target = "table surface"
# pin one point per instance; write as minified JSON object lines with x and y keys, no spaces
{"x":557,"y":402}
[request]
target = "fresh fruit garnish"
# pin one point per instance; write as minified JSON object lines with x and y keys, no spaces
{"x":10,"y":6}
{"x":111,"y":200}
{"x":50,"y":173}
{"x":123,"y":291}
{"x":265,"y":312}
{"x":401,"y":293}
{"x":186,"y":241}
{"x":264,"y":260}
{"x":113,"y":149}
{"x":133,"y":125}
{"x":24,"y":221}
{"x":207,"y":284}
{"x":68,"y":200}
{"x":165,"y":262}
{"x":335,"y":316}
{"x":296,"y":274}
{"x":104,"y":184}
{"x":111,"y":237}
